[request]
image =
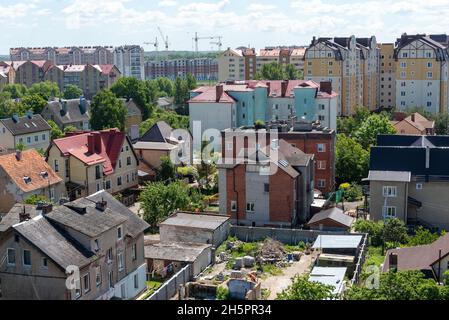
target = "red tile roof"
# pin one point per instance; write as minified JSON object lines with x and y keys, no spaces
{"x":209,"y":94}
{"x":106,"y":68}
{"x":76,"y":145}
{"x":32,"y":165}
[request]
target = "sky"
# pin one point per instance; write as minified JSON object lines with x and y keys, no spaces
{"x":261,"y":23}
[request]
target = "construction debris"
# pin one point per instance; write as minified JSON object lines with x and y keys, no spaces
{"x":248,"y":261}
{"x":271,"y":251}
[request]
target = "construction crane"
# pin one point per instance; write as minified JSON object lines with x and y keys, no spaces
{"x":164,"y":39}
{"x":156,"y":46}
{"x":196,"y":39}
{"x":218,"y":43}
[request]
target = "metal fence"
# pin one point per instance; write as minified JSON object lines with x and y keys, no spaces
{"x":170,"y":288}
{"x":360,"y":260}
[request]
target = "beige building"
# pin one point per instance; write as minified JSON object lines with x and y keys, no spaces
{"x":93,"y":161}
{"x":414,"y":124}
{"x":351,"y":64}
{"x":387,"y":76}
{"x":25,"y":174}
{"x":134,"y":114}
{"x":408,"y":179}
{"x":89,"y":249}
{"x":29,"y":72}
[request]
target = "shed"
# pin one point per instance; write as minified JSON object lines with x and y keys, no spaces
{"x":330,"y":276}
{"x":331,"y":219}
{"x":338,"y":244}
{"x":207,"y":228}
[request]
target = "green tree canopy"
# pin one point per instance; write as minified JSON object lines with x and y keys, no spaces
{"x":8,"y":107}
{"x":422,"y":236}
{"x":395,"y":231}
{"x":374,"y":125}
{"x":36,"y":199}
{"x":191,"y":81}
{"x":271,"y":71}
{"x":181,"y":92}
{"x":349,"y":125}
{"x":17,"y":91}
{"x":303,"y":289}
{"x":55,"y":131}
{"x":442,"y":123}
{"x":46,"y":89}
{"x":165,"y":85}
{"x":293,"y":73}
{"x":172,"y":118}
{"x":34,"y":102}
{"x":166,"y":172}
{"x":72,"y":92}
{"x":107,"y":111}
{"x":351,"y":160}
{"x":131,"y":88}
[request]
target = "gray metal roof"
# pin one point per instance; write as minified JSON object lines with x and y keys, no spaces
{"x":175,"y":251}
{"x":73,"y":114}
{"x":329,"y":276}
{"x":26,"y":124}
{"x":193,"y":220}
{"x":57,"y":245}
{"x":154,"y":145}
{"x":337,"y":241}
{"x":394,"y":176}
{"x":335,"y":214}
{"x":13,"y":216}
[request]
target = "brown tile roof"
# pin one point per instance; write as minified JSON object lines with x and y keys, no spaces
{"x":31,"y":165}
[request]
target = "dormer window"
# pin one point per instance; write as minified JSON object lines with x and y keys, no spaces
{"x":27,"y":179}
{"x":44,"y":174}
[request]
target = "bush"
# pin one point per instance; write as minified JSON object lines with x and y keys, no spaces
{"x":222,"y":293}
{"x":374,"y":229}
{"x":353,"y":193}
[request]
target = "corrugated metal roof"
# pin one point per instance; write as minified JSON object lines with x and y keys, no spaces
{"x":399,"y":176}
{"x":329,"y":276}
{"x":337,"y":241}
{"x":179,"y":251}
{"x":193,"y":220}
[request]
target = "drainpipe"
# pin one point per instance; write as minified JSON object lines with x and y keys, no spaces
{"x":439,"y":266}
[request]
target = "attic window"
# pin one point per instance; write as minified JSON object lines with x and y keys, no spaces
{"x":27,"y":179}
{"x":34,"y":124}
{"x":44,"y":174}
{"x":283,"y":163}
{"x":27,"y":125}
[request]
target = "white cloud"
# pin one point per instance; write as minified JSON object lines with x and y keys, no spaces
{"x":167,"y":3}
{"x":261,"y":7}
{"x":204,"y":7}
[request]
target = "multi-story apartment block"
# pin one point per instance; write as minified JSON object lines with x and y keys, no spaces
{"x":252,"y":197}
{"x":242,"y":103}
{"x":7,"y":74}
{"x":244,"y":63}
{"x":421,"y":73}
{"x":130,"y":61}
{"x":201,"y":68}
{"x":89,"y":249}
{"x":351,"y":64}
{"x":307,"y":137}
{"x":31,"y":130}
{"x":93,"y":161}
{"x":387,"y":76}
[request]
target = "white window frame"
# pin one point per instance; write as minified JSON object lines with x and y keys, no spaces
{"x":322,"y":165}
{"x":321,"y":183}
{"x":390,"y":191}
{"x":136,"y":281}
{"x":120,"y":261}
{"x":251,"y":205}
{"x":98,"y":277}
{"x":389,"y":211}
{"x":109,"y":256}
{"x":86,"y":287}
{"x":321,"y":147}
{"x":43,"y":266}
{"x":419,"y":186}
{"x":233,"y":206}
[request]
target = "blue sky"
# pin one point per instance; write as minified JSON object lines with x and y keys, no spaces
{"x":240,"y":22}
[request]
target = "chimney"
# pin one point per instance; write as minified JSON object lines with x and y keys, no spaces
{"x":101,"y":205}
{"x":393,"y":261}
{"x":413,"y":117}
{"x":97,"y":142}
{"x":90,"y":144}
{"x":47,"y":208}
{"x":326,"y":86}
{"x":83,"y":105}
{"x":63,"y":108}
{"x":427,"y":157}
{"x":23,"y":216}
{"x":18,"y":155}
{"x":284,"y":85}
{"x":219,"y":92}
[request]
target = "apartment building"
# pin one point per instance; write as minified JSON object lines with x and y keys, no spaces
{"x":242,"y":103}
{"x":24,"y":174}
{"x":409,"y":179}
{"x":201,"y":68}
{"x":271,"y":190}
{"x":94,"y":244}
{"x":421,"y":73}
{"x":130,"y":61}
{"x":310,"y":138}
{"x":387,"y":76}
{"x":65,"y":55}
{"x":351,"y":64}
{"x":7,"y":74}
{"x":244,"y":63}
{"x":92,"y":161}
{"x":31,"y":130}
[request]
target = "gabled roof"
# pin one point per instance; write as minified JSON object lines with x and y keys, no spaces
{"x":334,"y":214}
{"x":54,"y":243}
{"x":13,"y":216}
{"x":159,"y":132}
{"x":32,"y":166}
{"x":26,"y":124}
{"x":420,"y":122}
{"x":76,"y":145}
{"x":74,"y":112}
{"x":209,"y":95}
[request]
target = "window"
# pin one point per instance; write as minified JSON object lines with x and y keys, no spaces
{"x":429,"y":64}
{"x":390,"y":192}
{"x":321,"y":147}
{"x":419,"y":186}
{"x":429,"y":103}
{"x":233,"y":206}
{"x":28,"y":139}
{"x":109,"y":255}
{"x":86,"y":282}
{"x":136,"y":281}
{"x":128,"y":161}
{"x":11,"y":257}
{"x":403,"y":74}
{"x":403,"y":64}
{"x":321,"y":118}
{"x":36,"y":138}
{"x":120,"y":163}
{"x":429,"y":75}
{"x":44,"y":263}
{"x":404,"y":55}
{"x":389,"y":212}
{"x":56,"y":165}
{"x":250,"y":206}
{"x":321,"y":183}
{"x":67,"y":168}
{"x":134,"y":252}
{"x":96,"y":245}
{"x":266,"y":187}
{"x":98,"y":276}
{"x":121,"y":264}
{"x":97,"y":172}
{"x":52,"y":194}
{"x":119,"y":181}
{"x":111,"y":279}
{"x":229,"y":146}
{"x":321,"y":165}
{"x":27,"y":258}
{"x":119,"y":233}
{"x":108,"y":185}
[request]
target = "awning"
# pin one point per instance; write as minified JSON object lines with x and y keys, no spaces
{"x":414,"y":202}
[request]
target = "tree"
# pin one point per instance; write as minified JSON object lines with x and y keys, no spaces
{"x":303,"y":289}
{"x":374,"y":125}
{"x":17,"y":91}
{"x":442,"y":123}
{"x":422,"y":236}
{"x":72,"y":92}
{"x":131,"y":88}
{"x":175,"y":120}
{"x":191,"y":81}
{"x":394,"y":231}
{"x":373,"y":228}
{"x":181,"y":92}
{"x":349,"y":125}
{"x":69,"y":129}
{"x":166,"y":172}
{"x":8,"y":107}
{"x":351,"y":160}
{"x":36,"y":199}
{"x":55,"y":131}
{"x":293,"y":73}
{"x":34,"y":102}
{"x":271,"y":71}
{"x":46,"y":89}
{"x":20,"y":146}
{"x":165,"y":85}
{"x":159,"y":200}
{"x":107,"y":111}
